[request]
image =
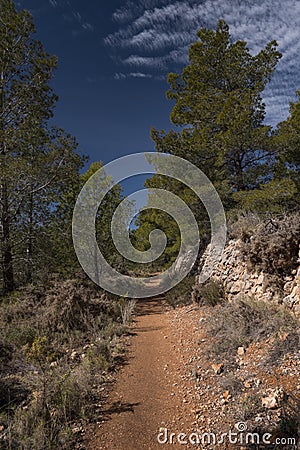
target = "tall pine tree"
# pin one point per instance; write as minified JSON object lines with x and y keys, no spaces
{"x":33,"y":156}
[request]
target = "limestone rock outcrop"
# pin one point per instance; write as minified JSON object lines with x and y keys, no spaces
{"x":239,"y":280}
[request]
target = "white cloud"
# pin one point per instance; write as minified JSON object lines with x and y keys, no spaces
{"x":146,"y":61}
{"x":87,"y":26}
{"x":123,"y":76}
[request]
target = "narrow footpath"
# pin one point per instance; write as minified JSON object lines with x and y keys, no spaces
{"x":147,"y":397}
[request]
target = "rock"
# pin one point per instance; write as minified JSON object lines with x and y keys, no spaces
{"x":261,"y":278}
{"x":217,"y":368}
{"x":289,"y":301}
{"x":283,"y":336}
{"x":226,"y":396}
{"x":241,"y":351}
{"x":239,"y":278}
{"x":288,"y":286}
{"x":297,"y":310}
{"x":274,"y":400}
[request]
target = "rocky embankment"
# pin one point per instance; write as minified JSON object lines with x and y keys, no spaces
{"x":240,"y":280}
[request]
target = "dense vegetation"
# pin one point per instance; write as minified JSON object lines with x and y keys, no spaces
{"x":219,"y":114}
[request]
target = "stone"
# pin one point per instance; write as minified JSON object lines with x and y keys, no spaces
{"x":226,"y":397}
{"x":289,"y":301}
{"x":273,"y":400}
{"x":217,"y":368}
{"x":261,"y":278}
{"x":241,"y":351}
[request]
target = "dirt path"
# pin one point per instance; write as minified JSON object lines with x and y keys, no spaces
{"x":147,"y":396}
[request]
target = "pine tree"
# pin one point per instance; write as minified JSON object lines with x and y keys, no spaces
{"x":33,"y":156}
{"x":219,"y":108}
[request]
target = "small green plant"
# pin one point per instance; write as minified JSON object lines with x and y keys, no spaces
{"x":55,"y":344}
{"x":210,"y":294}
{"x":248,"y":407}
{"x":182,"y":293}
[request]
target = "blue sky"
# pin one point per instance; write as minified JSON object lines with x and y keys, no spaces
{"x":114,"y":57}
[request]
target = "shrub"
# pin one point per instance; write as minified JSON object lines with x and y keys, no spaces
{"x":248,"y":406}
{"x":273,"y":245}
{"x":210,"y":293}
{"x":57,"y":341}
{"x":247,"y":320}
{"x":181,"y":294}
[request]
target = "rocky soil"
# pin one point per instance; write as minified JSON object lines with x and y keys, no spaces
{"x":172,"y":383}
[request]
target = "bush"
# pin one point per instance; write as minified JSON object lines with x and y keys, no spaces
{"x":181,"y":294}
{"x":248,"y":406}
{"x":272,"y":245}
{"x":210,"y":293}
{"x":247,"y":320}
{"x":57,"y":342}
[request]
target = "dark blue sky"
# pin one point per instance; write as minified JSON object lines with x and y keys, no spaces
{"x":113,"y":58}
{"x":110,"y":117}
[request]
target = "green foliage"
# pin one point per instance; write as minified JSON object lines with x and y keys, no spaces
{"x":210,"y":293}
{"x":182,"y":293}
{"x":218,"y":102}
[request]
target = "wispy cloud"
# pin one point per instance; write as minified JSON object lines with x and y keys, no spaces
{"x":123,"y":76}
{"x":53,"y":3}
{"x":156,"y":34}
{"x":72,"y":16}
{"x":87,"y":26}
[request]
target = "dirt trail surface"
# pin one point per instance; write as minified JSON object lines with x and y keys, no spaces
{"x":153,"y":390}
{"x":172,"y":381}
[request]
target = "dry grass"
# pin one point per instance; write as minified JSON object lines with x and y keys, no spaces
{"x":248,"y":320}
{"x":57,"y":342}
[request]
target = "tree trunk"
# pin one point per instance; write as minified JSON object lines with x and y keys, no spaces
{"x":6,"y":257}
{"x":29,"y":250}
{"x":6,"y":251}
